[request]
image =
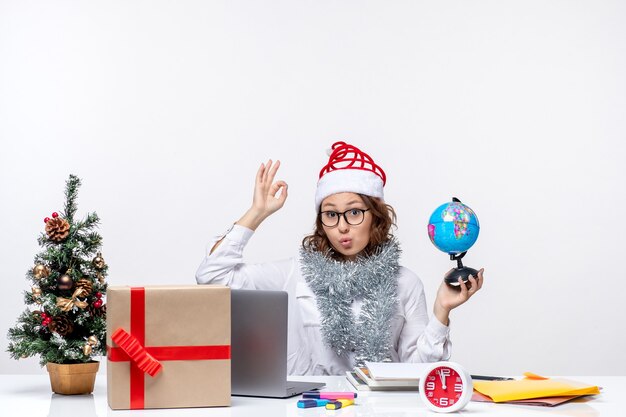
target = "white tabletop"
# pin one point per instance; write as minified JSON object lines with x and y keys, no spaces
{"x":30,"y":395}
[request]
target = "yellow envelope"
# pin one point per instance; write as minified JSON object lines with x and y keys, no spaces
{"x":533,"y":386}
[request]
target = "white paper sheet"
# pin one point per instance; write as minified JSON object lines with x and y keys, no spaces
{"x":396,"y":370}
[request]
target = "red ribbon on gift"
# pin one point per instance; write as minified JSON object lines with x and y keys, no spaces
{"x":131,"y":347}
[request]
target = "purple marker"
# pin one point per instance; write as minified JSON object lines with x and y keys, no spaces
{"x":329,"y":395}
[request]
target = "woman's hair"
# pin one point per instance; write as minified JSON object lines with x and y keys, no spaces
{"x":383,"y":218}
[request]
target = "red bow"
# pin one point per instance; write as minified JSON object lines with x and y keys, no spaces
{"x":137,"y":353}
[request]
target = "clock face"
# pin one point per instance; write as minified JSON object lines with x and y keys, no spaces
{"x":444,"y":387}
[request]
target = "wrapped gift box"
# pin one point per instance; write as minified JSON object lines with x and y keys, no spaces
{"x":168,"y":346}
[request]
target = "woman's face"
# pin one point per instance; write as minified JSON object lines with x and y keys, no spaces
{"x":345,"y":238}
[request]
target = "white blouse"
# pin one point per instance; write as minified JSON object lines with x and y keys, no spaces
{"x":415,"y":337}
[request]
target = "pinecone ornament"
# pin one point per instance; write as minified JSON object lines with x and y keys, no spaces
{"x":86,"y":285}
{"x":57,"y":229}
{"x":61,"y":325}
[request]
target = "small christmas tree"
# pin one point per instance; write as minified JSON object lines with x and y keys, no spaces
{"x":68,"y":322}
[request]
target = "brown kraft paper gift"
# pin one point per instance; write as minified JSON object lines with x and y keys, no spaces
{"x":181,"y":334}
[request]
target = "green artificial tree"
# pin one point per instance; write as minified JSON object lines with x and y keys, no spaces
{"x":66,"y":319}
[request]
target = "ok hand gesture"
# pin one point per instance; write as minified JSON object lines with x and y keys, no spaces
{"x":269,"y":196}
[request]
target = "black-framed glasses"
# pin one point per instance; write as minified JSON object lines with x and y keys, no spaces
{"x":353,"y":217}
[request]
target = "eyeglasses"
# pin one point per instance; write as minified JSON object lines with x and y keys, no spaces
{"x":353,"y":217}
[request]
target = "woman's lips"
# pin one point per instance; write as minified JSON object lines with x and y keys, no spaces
{"x":346,"y":243}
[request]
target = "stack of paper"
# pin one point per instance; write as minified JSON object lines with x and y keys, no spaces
{"x":390,"y":376}
{"x":532,"y":390}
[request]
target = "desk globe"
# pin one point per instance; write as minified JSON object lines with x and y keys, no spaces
{"x":453,"y":228}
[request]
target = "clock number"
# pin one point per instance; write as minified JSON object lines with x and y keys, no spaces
{"x":443,"y":402}
{"x":458,"y":387}
{"x":430,"y":386}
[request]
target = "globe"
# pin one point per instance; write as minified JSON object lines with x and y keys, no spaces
{"x":453,"y":227}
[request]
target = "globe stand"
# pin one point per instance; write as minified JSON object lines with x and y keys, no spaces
{"x":460,"y":271}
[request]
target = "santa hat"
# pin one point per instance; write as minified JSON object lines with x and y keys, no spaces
{"x":349,"y":170}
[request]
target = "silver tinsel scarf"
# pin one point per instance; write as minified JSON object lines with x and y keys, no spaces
{"x":336,"y":284}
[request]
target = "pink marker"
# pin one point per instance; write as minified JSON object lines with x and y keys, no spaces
{"x":326,"y":395}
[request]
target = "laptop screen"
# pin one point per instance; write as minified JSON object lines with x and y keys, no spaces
{"x":259,"y":342}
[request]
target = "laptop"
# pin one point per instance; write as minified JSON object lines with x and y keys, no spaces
{"x":259,"y":346}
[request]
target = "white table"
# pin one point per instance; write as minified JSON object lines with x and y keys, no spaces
{"x":30,"y":395}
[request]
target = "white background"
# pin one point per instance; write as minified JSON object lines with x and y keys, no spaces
{"x":165,"y":109}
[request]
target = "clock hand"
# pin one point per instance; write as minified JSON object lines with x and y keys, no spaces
{"x":442,"y":377}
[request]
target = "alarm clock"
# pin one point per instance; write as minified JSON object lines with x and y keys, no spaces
{"x":445,"y":387}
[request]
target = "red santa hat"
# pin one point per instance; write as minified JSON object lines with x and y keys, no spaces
{"x":349,"y":170}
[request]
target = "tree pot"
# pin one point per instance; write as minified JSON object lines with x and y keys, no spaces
{"x":73,"y":378}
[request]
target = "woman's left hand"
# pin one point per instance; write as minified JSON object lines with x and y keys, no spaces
{"x":449,"y":298}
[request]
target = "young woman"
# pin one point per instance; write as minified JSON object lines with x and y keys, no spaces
{"x":349,"y":298}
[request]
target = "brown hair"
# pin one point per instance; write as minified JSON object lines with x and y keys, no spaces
{"x":383,"y":218}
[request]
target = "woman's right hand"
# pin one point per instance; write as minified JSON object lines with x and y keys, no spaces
{"x":269,"y":196}
{"x":265,"y":200}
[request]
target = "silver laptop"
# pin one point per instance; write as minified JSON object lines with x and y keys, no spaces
{"x":259,"y":346}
